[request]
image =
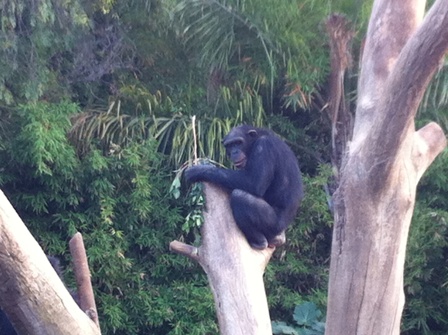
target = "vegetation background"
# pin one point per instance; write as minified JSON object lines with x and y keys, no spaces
{"x":96,"y":100}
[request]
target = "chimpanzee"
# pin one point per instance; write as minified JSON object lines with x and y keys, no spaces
{"x":266,"y":189}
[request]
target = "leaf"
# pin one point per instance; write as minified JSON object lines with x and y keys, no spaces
{"x":175,"y":188}
{"x":319,"y":327}
{"x":282,"y":328}
{"x":306,"y":314}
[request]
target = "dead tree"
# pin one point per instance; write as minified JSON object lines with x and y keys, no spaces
{"x":234,"y":269}
{"x":382,"y":166}
{"x":31,"y":293}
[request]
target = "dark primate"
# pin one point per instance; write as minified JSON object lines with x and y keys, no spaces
{"x":266,"y":190}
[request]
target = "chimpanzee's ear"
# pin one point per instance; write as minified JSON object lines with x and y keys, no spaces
{"x":252,"y":133}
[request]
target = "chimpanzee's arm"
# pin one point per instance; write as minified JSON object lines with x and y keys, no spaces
{"x":255,"y":178}
{"x":229,"y":179}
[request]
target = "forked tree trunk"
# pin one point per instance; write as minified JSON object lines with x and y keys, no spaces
{"x":383,"y":164}
{"x":31,"y":293}
{"x":234,"y":269}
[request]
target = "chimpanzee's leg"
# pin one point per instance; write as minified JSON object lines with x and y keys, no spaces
{"x":255,"y":217}
{"x":6,"y":327}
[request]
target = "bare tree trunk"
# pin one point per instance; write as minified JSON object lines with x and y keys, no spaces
{"x":384,"y":162}
{"x":31,"y":293}
{"x":234,"y":269}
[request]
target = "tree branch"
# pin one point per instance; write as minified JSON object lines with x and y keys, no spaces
{"x":403,"y":90}
{"x":82,"y":274}
{"x":429,"y":141}
{"x":390,"y":26}
{"x":234,"y":269}
{"x":31,"y":293}
{"x":185,"y":249}
{"x":416,"y":66}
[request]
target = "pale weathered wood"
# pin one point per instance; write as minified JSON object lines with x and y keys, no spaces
{"x":31,"y":293}
{"x":234,"y":269}
{"x":385,"y":160}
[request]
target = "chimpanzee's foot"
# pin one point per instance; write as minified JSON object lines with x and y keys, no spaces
{"x":259,"y":245}
{"x":277,"y":241}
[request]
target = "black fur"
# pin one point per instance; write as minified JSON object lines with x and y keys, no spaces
{"x":266,"y":190}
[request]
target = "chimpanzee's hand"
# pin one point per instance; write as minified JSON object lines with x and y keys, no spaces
{"x":197,"y":173}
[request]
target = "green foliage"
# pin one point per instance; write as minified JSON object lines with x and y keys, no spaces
{"x":426,"y":262}
{"x":119,"y":201}
{"x":141,"y":114}
{"x":196,"y":200}
{"x":269,"y":45}
{"x":35,"y":35}
{"x":308,"y":319}
{"x":45,"y":128}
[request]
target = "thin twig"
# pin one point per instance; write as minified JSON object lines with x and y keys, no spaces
{"x":195,"y":140}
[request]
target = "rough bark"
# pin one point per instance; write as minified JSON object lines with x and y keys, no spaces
{"x":235,"y":271}
{"x":384,"y":162}
{"x":31,"y":293}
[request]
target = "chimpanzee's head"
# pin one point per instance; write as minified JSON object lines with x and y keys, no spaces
{"x":238,"y":143}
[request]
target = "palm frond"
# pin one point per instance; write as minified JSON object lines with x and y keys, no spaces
{"x":268,"y":43}
{"x":174,"y":134}
{"x":221,"y":30}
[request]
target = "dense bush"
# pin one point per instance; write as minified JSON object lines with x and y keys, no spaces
{"x":119,"y":201}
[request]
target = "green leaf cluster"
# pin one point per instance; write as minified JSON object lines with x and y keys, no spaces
{"x":308,"y":319}
{"x":36,"y":40}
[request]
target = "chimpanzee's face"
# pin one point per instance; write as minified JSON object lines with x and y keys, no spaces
{"x":238,"y":144}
